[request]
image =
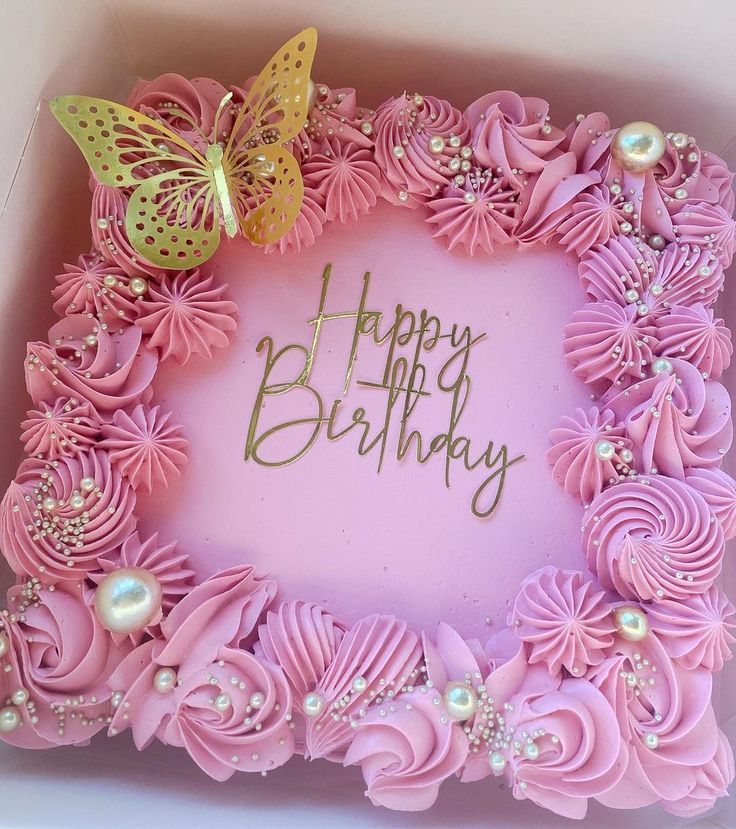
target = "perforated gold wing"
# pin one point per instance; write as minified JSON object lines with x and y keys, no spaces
{"x":264,"y":180}
{"x":172,"y":218}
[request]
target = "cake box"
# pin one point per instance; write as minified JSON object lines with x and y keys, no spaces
{"x":579,"y":59}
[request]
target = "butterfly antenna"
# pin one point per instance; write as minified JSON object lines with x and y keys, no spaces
{"x":223,"y":103}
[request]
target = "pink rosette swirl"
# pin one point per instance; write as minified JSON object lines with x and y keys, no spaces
{"x":719,"y":491}
{"x":147,"y":449}
{"x":512,"y":135}
{"x":575,"y":457}
{"x":695,"y":335}
{"x":334,"y":113}
{"x":110,"y":371}
{"x":612,"y":270}
{"x":653,"y":538}
{"x":696,"y":633}
{"x":685,"y":275}
{"x":707,"y":226}
{"x":675,"y":420}
{"x":718,"y":174}
{"x":57,"y":520}
{"x":186,"y":314}
{"x":63,"y":428}
{"x":94,"y":287}
{"x":169,"y":567}
{"x":227,"y":707}
{"x":377,"y":655}
{"x":712,"y":781}
{"x":564,"y":618}
{"x":406,"y":750}
{"x":303,"y":639}
{"x":595,"y":218}
{"x":56,"y":666}
{"x":346,"y":177}
{"x":307,"y":227}
{"x":665,"y":717}
{"x":418,"y":141}
{"x":477,"y":215}
{"x":588,"y":137}
{"x":605,"y":342}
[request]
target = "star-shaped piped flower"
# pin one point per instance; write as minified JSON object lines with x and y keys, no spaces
{"x":59,"y":429}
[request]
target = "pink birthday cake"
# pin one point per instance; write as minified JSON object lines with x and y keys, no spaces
{"x":388,"y":437}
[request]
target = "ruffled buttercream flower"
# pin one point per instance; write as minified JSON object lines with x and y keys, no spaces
{"x":707,"y":226}
{"x":378,"y":654}
{"x":547,"y":199}
{"x":719,"y":491}
{"x":307,"y":227}
{"x":675,"y":420}
{"x":57,"y":518}
{"x":88,"y":362}
{"x":476,"y":215}
{"x":147,"y":449}
{"x":696,"y":633}
{"x":653,"y":538}
{"x":94,"y":287}
{"x":695,"y":335}
{"x":227,"y":707}
{"x":419,"y":144}
{"x":718,"y":174}
{"x":594,"y":218}
{"x":607,"y":342}
{"x":616,"y":270}
{"x":665,"y":717}
{"x":346,"y":177}
{"x":564,"y":618}
{"x":60,"y":429}
{"x":406,"y":750}
{"x":588,"y":137}
{"x":334,"y":114}
{"x":186,"y":314}
{"x":303,"y":639}
{"x":589,"y":451}
{"x":512,"y":135}
{"x":56,"y":666}
{"x":169,"y":567}
{"x":684,"y":275}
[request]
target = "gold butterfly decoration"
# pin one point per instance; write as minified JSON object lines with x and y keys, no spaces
{"x":251,"y":183}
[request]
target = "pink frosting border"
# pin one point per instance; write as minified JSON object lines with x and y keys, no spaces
{"x":562,"y":703}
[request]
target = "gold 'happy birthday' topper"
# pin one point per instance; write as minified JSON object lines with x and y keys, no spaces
{"x":180,"y":197}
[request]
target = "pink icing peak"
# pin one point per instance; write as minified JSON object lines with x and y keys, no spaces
{"x":695,"y":335}
{"x":145,"y":447}
{"x":564,"y":618}
{"x":93,"y":286}
{"x":595,"y":218}
{"x":62,"y":429}
{"x":186,"y":315}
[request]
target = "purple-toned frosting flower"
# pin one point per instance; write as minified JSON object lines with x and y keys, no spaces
{"x":307,"y":227}
{"x":334,"y":114}
{"x":719,"y":491}
{"x":653,"y":538}
{"x":147,"y":449}
{"x":605,"y":342}
{"x":346,"y":177}
{"x":589,"y":451}
{"x":707,"y":226}
{"x":564,"y":618}
{"x":595,"y":217}
{"x":696,"y":335}
{"x":478,"y":215}
{"x":185,"y":315}
{"x":60,"y":429}
{"x":588,"y":137}
{"x":696,"y":633}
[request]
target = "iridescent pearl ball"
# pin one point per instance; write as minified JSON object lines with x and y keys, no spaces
{"x":257,"y":700}
{"x":436,"y":144}
{"x":360,"y":683}
{"x":127,"y":600}
{"x":460,"y":699}
{"x":164,"y":680}
{"x":498,"y":762}
{"x":657,"y":241}
{"x":631,"y":623}
{"x":20,"y":696}
{"x":651,"y":740}
{"x":48,"y":504}
{"x":9,"y":719}
{"x":313,"y":704}
{"x":138,"y":286}
{"x":679,"y":140}
{"x":76,"y":501}
{"x":223,"y":702}
{"x":87,"y":484}
{"x":638,"y":146}
{"x":531,"y":751}
{"x":662,"y":366}
{"x":605,"y":450}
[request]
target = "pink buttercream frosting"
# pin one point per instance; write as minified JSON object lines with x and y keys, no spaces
{"x":718,"y":174}
{"x":564,"y":618}
{"x":696,"y":633}
{"x":346,"y":177}
{"x":576,"y":464}
{"x":653,"y":538}
{"x":607,"y":342}
{"x":719,"y":491}
{"x":147,"y":449}
{"x":334,"y":114}
{"x":707,"y":226}
{"x":63,"y":428}
{"x":595,"y":218}
{"x":94,"y":286}
{"x":589,"y":137}
{"x":308,"y":225}
{"x":185,"y":315}
{"x":61,"y":656}
{"x":407,"y":751}
{"x":45,"y":533}
{"x":675,"y":420}
{"x":696,"y":335}
{"x":111,"y":374}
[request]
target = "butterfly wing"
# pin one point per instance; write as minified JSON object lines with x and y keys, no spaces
{"x":264,"y":180}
